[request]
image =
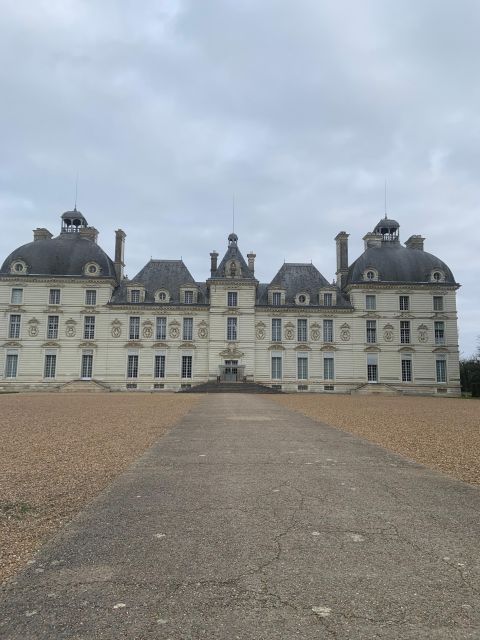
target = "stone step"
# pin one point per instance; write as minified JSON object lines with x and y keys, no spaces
{"x":84,"y":386}
{"x":230,"y":387}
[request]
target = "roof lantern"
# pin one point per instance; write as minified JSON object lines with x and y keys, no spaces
{"x":73,"y":221}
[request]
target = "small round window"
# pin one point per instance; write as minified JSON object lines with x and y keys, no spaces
{"x":302,"y":299}
{"x":92,"y":268}
{"x":162,"y":296}
{"x":19,"y":267}
{"x":370,"y":275}
{"x":437,"y":276}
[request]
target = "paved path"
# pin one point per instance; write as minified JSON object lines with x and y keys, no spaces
{"x":247,"y":521}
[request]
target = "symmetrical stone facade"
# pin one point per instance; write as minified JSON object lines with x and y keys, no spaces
{"x":69,"y":317}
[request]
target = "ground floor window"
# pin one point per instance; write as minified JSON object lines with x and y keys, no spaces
{"x":11,"y":365}
{"x":159,"y":366}
{"x":406,"y":368}
{"x":372,"y":367}
{"x":328,"y":367}
{"x":50,"y":365}
{"x":276,"y":367}
{"x":87,"y":365}
{"x":302,"y":367}
{"x":441,"y":369}
{"x":186,"y":366}
{"x":132,"y":366}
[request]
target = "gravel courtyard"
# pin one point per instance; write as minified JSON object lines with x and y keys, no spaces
{"x":58,"y":451}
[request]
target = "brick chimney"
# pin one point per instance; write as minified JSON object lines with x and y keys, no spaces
{"x":342,"y":257}
{"x":213,"y":262}
{"x":120,"y":236}
{"x":415,"y":242}
{"x":41,"y":234}
{"x":251,"y":261}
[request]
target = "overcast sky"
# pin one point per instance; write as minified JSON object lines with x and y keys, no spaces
{"x":301,"y":108}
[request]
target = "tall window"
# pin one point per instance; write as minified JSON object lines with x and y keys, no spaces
{"x":276,"y":329}
{"x":277,"y":298}
{"x":186,"y":366}
{"x":328,"y":299}
{"x":17,"y":296}
{"x":328,"y":330}
{"x":302,"y":366}
{"x":52,"y":327}
{"x":89,"y":328}
{"x":91,"y":297}
{"x":188,"y":297}
{"x":302,"y":330}
{"x":159,"y":368}
{"x":328,"y":367}
{"x":371,"y":331}
{"x":50,"y":365}
{"x":232,"y":298}
{"x":276,"y":367}
{"x":370,"y":302}
{"x":11,"y":365}
{"x":87,"y":365}
{"x":439,"y":332}
{"x":161,"y":333}
{"x":132,"y":366}
{"x":134,"y":328}
{"x":438,"y":303}
{"x":14,"y":326}
{"x":405,"y":331}
{"x":441,"y":368}
{"x":54,"y":296}
{"x":372,"y":367}
{"x":406,"y":367}
{"x":188,"y":329}
{"x":231,"y":328}
{"x":135,"y":295}
{"x":404,"y":303}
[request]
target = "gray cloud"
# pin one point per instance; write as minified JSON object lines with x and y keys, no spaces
{"x":302,"y":109}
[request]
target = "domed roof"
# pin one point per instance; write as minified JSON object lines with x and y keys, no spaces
{"x":66,"y":255}
{"x":396,"y":263}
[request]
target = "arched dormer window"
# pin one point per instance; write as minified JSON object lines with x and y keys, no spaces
{"x":437,"y":275}
{"x":302,"y":298}
{"x":370,"y":274}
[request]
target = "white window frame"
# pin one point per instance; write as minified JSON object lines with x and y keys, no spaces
{"x":406,"y":371}
{"x":328,"y":299}
{"x":161,"y":328}
{"x":132,"y":366}
{"x":89,"y":328}
{"x":16,"y":292}
{"x":11,"y":356}
{"x":438,"y":303}
{"x":372,"y":368}
{"x":159,"y":365}
{"x":329,"y":366}
{"x":276,"y":329}
{"x":404,"y":303}
{"x":443,"y":370}
{"x":188,"y":296}
{"x":14,"y":326}
{"x":86,"y":354}
{"x":277,"y":298}
{"x":232,"y":298}
{"x":405,"y":332}
{"x":134,"y":328}
{"x":54,"y":297}
{"x":50,"y":365}
{"x":302,"y":370}
{"x":328,"y":330}
{"x":187,"y":329}
{"x":186,"y":364}
{"x":302,"y":330}
{"x":371,"y":331}
{"x":232,"y":329}
{"x":276,"y":365}
{"x":370,"y":302}
{"x":135,"y":296}
{"x":439,"y":331}
{"x":89,"y":295}
{"x":52,"y":327}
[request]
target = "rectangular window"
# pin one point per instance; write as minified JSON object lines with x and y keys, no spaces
{"x":276,"y":329}
{"x":188,"y":329}
{"x":231,"y":328}
{"x":134,"y":328}
{"x":132,"y":366}
{"x":277,"y":298}
{"x":188,"y":297}
{"x":441,"y":369}
{"x":328,"y":330}
{"x":17,"y":296}
{"x":89,"y":328}
{"x":439,"y":332}
{"x":186,"y":366}
{"x":404,"y":303}
{"x":438,"y":303}
{"x":52,"y":327}
{"x":159,"y":369}
{"x":405,"y":331}
{"x":232,"y":298}
{"x":371,"y":331}
{"x":11,"y":365}
{"x":87,"y":365}
{"x":372,"y":367}
{"x":135,"y":295}
{"x":54,"y":296}
{"x":328,"y":299}
{"x":91,"y":297}
{"x":14,"y":326}
{"x":161,"y":332}
{"x":328,"y":367}
{"x":50,"y":365}
{"x":302,"y":367}
{"x":370,"y":302}
{"x":302,"y":330}
{"x":276,"y":367}
{"x":406,"y":368}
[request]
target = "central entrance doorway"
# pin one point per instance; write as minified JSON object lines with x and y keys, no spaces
{"x":230,"y":371}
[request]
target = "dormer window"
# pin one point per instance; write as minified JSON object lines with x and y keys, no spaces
{"x":302,"y":298}
{"x":19,"y":266}
{"x":328,"y":299}
{"x":188,"y":297}
{"x":370,"y":275}
{"x":162,"y":296}
{"x":135,"y":295}
{"x":438,"y":276}
{"x":92,"y":269}
{"x":276,"y":298}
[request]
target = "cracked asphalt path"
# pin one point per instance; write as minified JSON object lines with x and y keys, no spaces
{"x":248,"y":521}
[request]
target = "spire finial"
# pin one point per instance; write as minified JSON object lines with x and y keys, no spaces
{"x":385,"y":198}
{"x":233,"y":213}
{"x":76,"y":192}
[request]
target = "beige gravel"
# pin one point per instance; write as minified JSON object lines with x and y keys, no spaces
{"x":441,"y":433}
{"x":57,"y":451}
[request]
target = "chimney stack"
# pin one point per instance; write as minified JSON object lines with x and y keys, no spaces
{"x":372,"y":240}
{"x":41,"y":234}
{"x":342,"y":257}
{"x":90,"y":233}
{"x":213,"y":262}
{"x":119,"y":253}
{"x":415,"y":242}
{"x":251,"y":261}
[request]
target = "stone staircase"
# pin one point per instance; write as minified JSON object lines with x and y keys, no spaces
{"x":84,"y":386}
{"x":230,"y":387}
{"x":380,"y":388}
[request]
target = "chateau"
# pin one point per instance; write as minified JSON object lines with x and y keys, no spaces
{"x":70,"y":319}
